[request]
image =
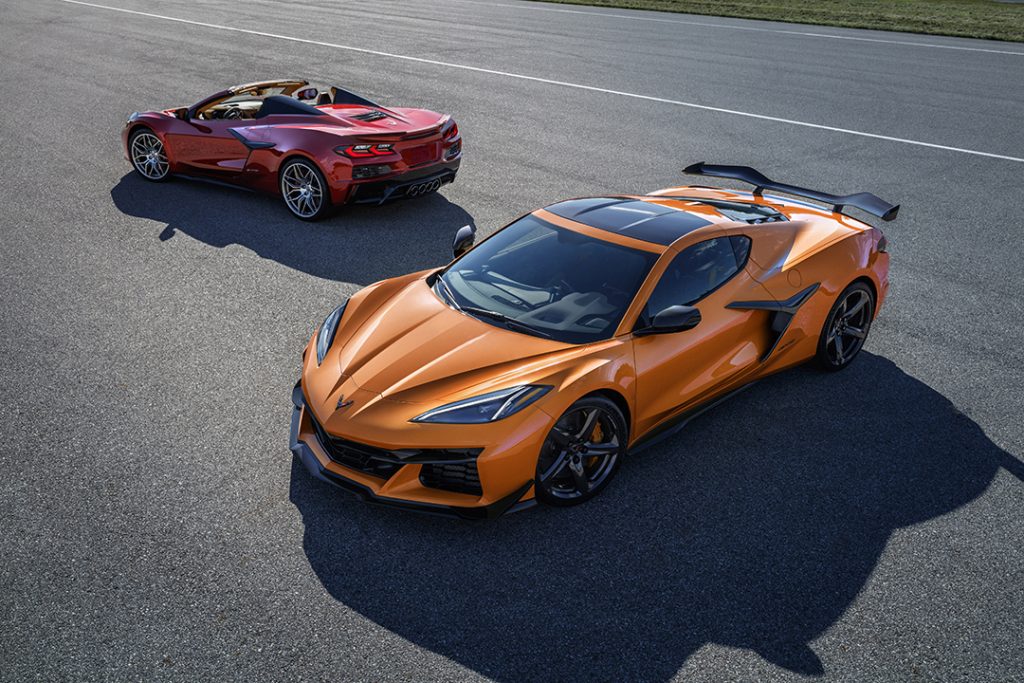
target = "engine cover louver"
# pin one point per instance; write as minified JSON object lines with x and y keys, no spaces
{"x":374,"y":115}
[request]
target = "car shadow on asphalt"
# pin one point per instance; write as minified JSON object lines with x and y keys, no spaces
{"x":357,"y":244}
{"x":755,"y":528}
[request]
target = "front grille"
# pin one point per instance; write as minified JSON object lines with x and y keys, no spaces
{"x":371,"y":116}
{"x":460,"y":477}
{"x":357,"y":456}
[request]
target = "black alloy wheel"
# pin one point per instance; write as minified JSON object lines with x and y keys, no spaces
{"x":846,"y":328}
{"x":582,"y":453}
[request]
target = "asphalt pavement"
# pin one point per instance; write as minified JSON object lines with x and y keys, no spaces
{"x":859,"y":526}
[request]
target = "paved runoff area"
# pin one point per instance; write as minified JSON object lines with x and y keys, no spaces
{"x":861,"y":526}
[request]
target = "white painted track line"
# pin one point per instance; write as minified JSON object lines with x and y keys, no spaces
{"x":548,"y":81}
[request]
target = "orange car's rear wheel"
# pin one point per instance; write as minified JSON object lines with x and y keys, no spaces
{"x":582,"y":453}
{"x":846,"y":328}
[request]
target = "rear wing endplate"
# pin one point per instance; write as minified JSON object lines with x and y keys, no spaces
{"x":865,"y":201}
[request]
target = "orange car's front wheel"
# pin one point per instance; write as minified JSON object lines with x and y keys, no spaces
{"x":582,"y":453}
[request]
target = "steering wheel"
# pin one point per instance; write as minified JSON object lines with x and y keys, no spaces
{"x":232,"y":113}
{"x":559,"y":289}
{"x":519,"y":301}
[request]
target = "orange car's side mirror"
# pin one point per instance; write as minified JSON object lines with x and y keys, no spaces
{"x":464,"y":239}
{"x":672,"y":319}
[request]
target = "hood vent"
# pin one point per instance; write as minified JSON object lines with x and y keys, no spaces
{"x":374,"y":115}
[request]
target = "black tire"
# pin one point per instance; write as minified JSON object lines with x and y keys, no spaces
{"x":304,"y":190}
{"x":572,"y":467}
{"x":147,"y":155}
{"x":846,"y":327}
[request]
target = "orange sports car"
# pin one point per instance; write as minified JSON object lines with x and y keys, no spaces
{"x":531,"y":365}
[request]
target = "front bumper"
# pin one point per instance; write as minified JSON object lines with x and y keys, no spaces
{"x":305,"y":444}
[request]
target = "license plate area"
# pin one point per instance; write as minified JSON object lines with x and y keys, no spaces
{"x":423,"y":154}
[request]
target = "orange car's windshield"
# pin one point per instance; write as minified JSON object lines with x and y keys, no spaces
{"x":536,"y":278}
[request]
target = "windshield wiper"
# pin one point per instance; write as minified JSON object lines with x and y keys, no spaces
{"x":447,"y":293}
{"x":508,"y":321}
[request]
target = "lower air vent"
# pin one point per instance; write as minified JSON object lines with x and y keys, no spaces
{"x":460,"y":477}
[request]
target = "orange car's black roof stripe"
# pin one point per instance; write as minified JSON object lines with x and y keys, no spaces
{"x":617,"y":238}
{"x":643,"y":220}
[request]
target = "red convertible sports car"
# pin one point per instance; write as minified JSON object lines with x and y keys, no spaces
{"x":315,"y":147}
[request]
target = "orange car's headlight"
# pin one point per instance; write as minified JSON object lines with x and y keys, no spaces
{"x":490,"y":407}
{"x":325,"y":335}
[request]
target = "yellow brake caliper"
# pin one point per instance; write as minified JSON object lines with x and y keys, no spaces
{"x":596,"y":436}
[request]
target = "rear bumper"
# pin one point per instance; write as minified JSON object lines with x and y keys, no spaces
{"x":404,"y":186}
{"x":317,"y":466}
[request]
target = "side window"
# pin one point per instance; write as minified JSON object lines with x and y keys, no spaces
{"x":697,"y":271}
{"x":741,"y":247}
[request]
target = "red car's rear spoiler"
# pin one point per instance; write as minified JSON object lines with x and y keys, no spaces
{"x":865,"y":201}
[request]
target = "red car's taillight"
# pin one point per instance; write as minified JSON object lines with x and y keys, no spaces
{"x":454,"y":150}
{"x":452,"y":131}
{"x":365,"y":151}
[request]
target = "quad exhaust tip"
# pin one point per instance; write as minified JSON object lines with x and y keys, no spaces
{"x":424,"y":188}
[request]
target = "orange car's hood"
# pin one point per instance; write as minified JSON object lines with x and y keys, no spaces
{"x":413,"y":347}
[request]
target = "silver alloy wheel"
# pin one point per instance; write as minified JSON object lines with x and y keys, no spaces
{"x":302,"y":189}
{"x":849,"y":327}
{"x":580,"y":453}
{"x":148,"y":157}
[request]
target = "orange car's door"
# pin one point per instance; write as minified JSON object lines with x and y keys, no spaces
{"x":680,"y":370}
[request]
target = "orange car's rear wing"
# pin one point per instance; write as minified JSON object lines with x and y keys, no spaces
{"x":865,"y":201}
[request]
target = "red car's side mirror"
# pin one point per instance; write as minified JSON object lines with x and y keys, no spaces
{"x":181,"y":113}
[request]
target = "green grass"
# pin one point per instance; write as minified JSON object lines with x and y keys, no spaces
{"x":967,"y":18}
